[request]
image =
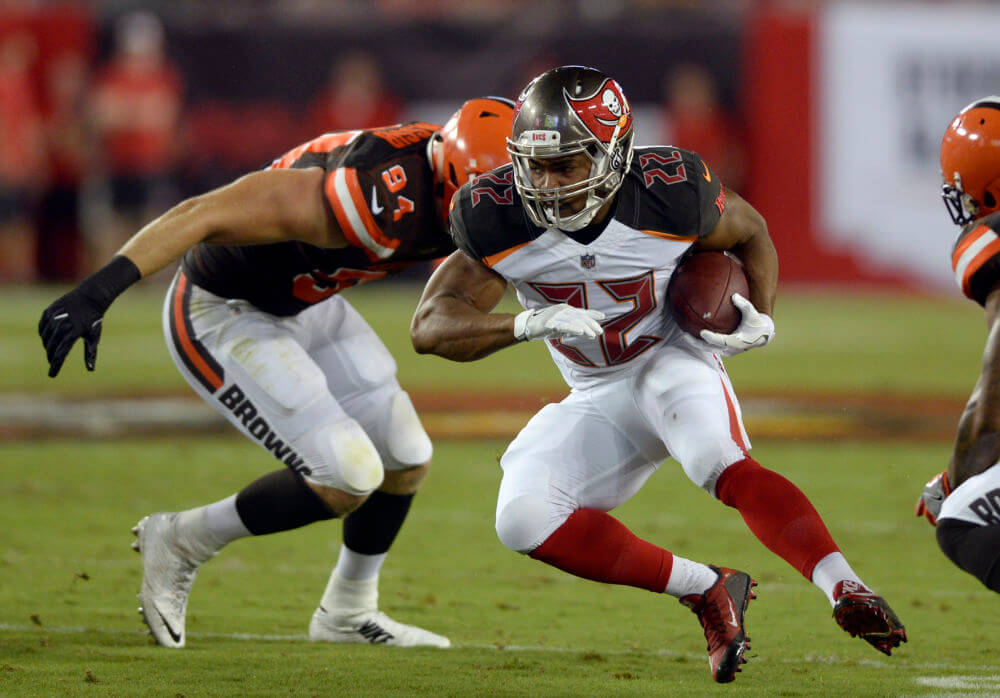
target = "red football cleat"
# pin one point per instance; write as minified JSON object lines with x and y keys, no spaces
{"x":720,"y":610}
{"x":865,"y":614}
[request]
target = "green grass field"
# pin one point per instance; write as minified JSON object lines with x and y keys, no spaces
{"x":68,"y":578}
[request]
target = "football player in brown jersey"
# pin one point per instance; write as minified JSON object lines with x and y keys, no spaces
{"x":254,"y":323}
{"x":963,"y":501}
{"x":588,"y":229}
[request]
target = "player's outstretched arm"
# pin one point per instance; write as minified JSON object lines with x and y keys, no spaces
{"x":453,"y":317}
{"x":263,"y":207}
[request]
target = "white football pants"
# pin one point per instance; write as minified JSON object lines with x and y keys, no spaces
{"x":597,"y":447}
{"x":318,"y":390}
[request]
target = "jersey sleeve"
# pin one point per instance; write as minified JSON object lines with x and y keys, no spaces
{"x":458,"y":228}
{"x":710,"y":197}
{"x":346,"y":191}
{"x":975,"y":259}
{"x":683,"y":196}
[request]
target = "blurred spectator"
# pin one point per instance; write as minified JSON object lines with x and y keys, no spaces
{"x":22,"y":156}
{"x":137,"y":102}
{"x":227,"y":139}
{"x":355,"y":97}
{"x":695,"y":119}
{"x":60,"y":241}
{"x":533,"y":66}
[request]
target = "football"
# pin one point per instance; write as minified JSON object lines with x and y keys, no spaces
{"x":700,"y":291}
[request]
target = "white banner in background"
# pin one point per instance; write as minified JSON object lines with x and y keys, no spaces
{"x":889,"y":80}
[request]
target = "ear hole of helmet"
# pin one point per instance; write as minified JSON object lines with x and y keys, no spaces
{"x":991,"y":197}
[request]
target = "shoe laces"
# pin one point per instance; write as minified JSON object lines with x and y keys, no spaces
{"x":712,"y":620}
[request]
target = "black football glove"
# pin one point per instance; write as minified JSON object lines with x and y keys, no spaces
{"x":80,"y":313}
{"x":67,"y":319}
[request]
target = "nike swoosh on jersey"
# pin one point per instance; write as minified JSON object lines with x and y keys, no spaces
{"x":376,"y":209}
{"x":707,"y":175}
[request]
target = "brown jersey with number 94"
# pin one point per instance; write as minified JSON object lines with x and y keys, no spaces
{"x":378,"y":186}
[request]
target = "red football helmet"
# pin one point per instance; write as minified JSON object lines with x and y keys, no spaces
{"x":473,"y":141}
{"x":970,"y":161}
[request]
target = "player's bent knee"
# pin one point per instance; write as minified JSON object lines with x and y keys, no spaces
{"x":339,"y":502}
{"x":406,"y":439}
{"x":525,"y":522}
{"x":405,"y":481}
{"x":341,"y":456}
{"x":705,"y":467}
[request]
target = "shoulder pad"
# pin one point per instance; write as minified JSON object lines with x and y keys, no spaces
{"x":975,"y":258}
{"x":675,"y":192}
{"x":487,"y":216}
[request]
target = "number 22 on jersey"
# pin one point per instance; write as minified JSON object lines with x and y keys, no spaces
{"x":638,"y":290}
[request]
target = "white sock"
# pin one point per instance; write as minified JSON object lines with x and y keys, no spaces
{"x":832,"y":569}
{"x":357,"y":566}
{"x":212,"y":526}
{"x":349,"y":594}
{"x":688,"y":577}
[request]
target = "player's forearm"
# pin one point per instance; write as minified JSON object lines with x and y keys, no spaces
{"x":977,"y":443}
{"x":455,"y":330}
{"x":973,"y":454}
{"x":760,"y":261}
{"x":165,"y":239}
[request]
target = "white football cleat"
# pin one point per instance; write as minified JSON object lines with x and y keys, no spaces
{"x":168,"y":573}
{"x":369,"y":625}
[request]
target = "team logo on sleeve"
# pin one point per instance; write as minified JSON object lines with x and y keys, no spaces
{"x":604,"y":110}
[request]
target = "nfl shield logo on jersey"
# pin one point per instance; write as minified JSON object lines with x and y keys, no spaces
{"x":588,"y":261}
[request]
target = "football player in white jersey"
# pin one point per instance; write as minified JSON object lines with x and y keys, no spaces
{"x":588,"y":230}
{"x":255,"y":324}
{"x":963,"y":501}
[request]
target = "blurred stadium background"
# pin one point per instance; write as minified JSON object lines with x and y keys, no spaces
{"x":827,"y":116}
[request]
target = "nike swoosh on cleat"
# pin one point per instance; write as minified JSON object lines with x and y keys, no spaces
{"x":376,"y":209}
{"x":177,"y":638}
{"x":732,"y":614}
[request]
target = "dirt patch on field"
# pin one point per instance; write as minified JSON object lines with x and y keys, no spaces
{"x":498,"y":415}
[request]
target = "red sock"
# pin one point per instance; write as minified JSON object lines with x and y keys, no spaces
{"x":778,"y":513}
{"x":594,"y":545}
